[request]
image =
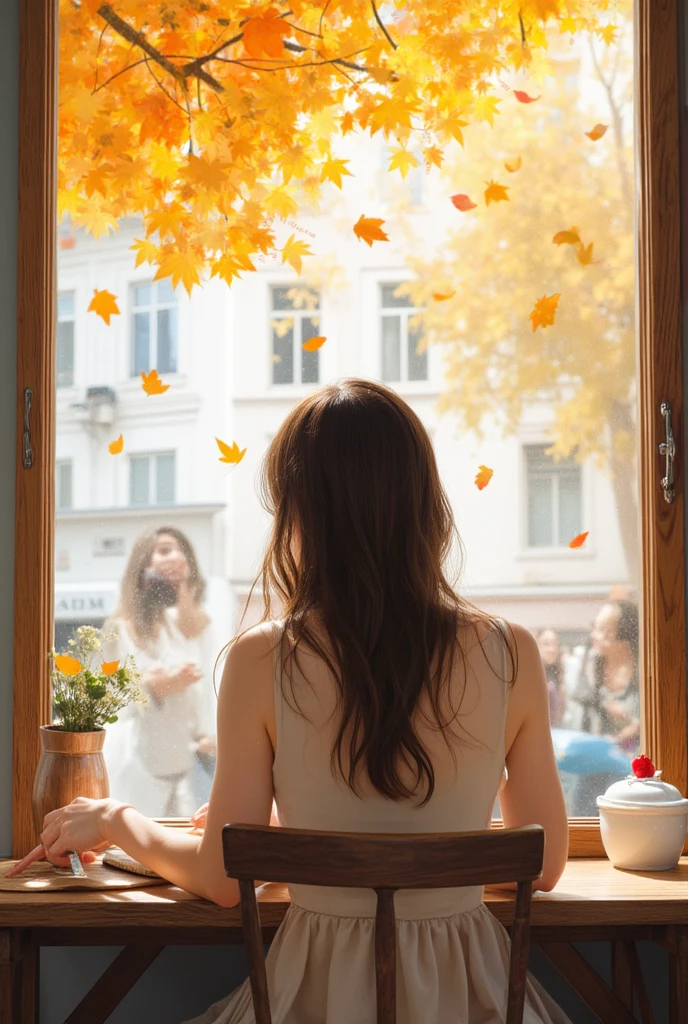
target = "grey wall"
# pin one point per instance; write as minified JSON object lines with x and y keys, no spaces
{"x":183,"y":981}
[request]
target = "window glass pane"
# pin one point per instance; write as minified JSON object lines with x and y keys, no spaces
{"x":282,"y":299}
{"x":141,"y":344}
{"x":64,"y":484}
{"x":65,"y":353}
{"x":142,"y":295}
{"x":540,"y":512}
{"x":282,"y":350}
{"x":570,"y":519}
{"x":166,"y":292}
{"x":165,"y":475}
{"x":391,"y":348}
{"x":310,"y":361}
{"x":65,"y":304}
{"x":417,"y":361}
{"x":139,"y":479}
{"x":392,"y":301}
{"x":167,"y":341}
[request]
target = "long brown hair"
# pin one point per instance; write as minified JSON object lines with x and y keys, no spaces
{"x":135,"y":605}
{"x":353,"y":467}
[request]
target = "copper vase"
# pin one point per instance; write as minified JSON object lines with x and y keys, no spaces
{"x":71,"y":765}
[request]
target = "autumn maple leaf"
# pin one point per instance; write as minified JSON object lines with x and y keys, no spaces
{"x":230,"y":453}
{"x":433,"y":155}
{"x":264,"y":35}
{"x":180,"y":266}
{"x":483,"y":477}
{"x":607,"y":33}
{"x":333,"y":170}
{"x":513,"y":165}
{"x":570,"y":237}
{"x":579,"y":540}
{"x":104,"y":303}
{"x":401,"y":160}
{"x":292,"y":252}
{"x":597,"y":132}
{"x":145,"y":250}
{"x":495,"y":193}
{"x":313,"y":344}
{"x":115,"y":447}
{"x":523,"y":97}
{"x":463,"y":202}
{"x":152,"y":384}
{"x":543,"y":312}
{"x":584,"y":255}
{"x":369,"y":229}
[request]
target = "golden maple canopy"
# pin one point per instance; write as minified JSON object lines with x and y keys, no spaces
{"x":210,"y":119}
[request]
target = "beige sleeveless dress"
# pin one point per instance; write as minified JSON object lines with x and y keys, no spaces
{"x":452,"y":955}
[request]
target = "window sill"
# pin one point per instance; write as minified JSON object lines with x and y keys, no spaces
{"x":545,"y":554}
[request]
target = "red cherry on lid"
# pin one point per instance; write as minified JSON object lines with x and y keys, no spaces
{"x":643,"y":767}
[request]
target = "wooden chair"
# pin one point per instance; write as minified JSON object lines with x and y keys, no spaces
{"x":385,"y":863}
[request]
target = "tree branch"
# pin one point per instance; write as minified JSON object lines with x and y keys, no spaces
{"x":378,"y":19}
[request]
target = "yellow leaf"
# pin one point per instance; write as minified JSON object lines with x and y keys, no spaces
{"x":108,"y":668}
{"x":180,"y":266}
{"x":570,"y":237}
{"x":584,"y":255}
{"x":486,"y":108}
{"x":115,"y":447}
{"x":230,"y":453}
{"x":443,"y":296}
{"x":104,"y":303}
{"x":495,"y":193}
{"x":607,"y":33}
{"x":597,"y":132}
{"x":145,"y":250}
{"x":333,"y":170}
{"x":542,"y":314}
{"x":513,"y":165}
{"x":279,"y":204}
{"x":152,"y":384}
{"x":211,"y":174}
{"x":67,"y":665}
{"x":401,"y":160}
{"x":314,"y":343}
{"x":433,"y":155}
{"x":369,"y":229}
{"x":292,"y":252}
{"x":483,"y":477}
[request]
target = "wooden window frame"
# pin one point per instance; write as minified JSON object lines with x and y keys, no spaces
{"x":659,"y":111}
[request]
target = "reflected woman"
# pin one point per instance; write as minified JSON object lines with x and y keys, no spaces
{"x":151,"y":751}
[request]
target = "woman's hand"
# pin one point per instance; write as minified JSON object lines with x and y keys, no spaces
{"x":616,"y":710}
{"x":78,"y":827}
{"x":198,"y":818}
{"x":206,"y":745}
{"x":160,"y":683}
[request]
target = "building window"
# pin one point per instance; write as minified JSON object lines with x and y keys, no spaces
{"x":63,"y":483}
{"x":554,"y":496}
{"x":403,"y":356}
{"x":65,"y":339}
{"x":152,"y":479}
{"x":154,"y":328}
{"x":295,"y":319}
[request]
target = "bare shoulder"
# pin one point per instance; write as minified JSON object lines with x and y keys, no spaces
{"x":528,"y":695}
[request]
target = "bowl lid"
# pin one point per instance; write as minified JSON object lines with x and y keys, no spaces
{"x":642,"y":793}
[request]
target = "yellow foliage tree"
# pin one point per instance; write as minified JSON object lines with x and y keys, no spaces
{"x":500,"y":260}
{"x":210,"y":119}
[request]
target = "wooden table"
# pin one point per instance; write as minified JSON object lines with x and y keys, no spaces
{"x":592,"y":902}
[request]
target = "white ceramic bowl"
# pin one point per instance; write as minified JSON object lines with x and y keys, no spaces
{"x":643,"y":824}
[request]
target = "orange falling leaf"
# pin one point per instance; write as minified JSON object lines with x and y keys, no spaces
{"x":543,"y":312}
{"x":104,"y":303}
{"x":115,"y":447}
{"x":443,"y":296}
{"x":570,"y":237}
{"x":314,"y":343}
{"x":579,"y":540}
{"x":152,"y":384}
{"x":67,"y":665}
{"x":513,"y":165}
{"x":463,"y":202}
{"x":597,"y":132}
{"x":369,"y":229}
{"x":263,"y":35}
{"x":523,"y":97}
{"x":495,"y":193}
{"x":230,"y":453}
{"x":108,"y":668}
{"x":584,"y":255}
{"x":483,"y":477}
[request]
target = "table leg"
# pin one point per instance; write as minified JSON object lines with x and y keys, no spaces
{"x":622,"y":978}
{"x":18,"y":977}
{"x":678,"y":975}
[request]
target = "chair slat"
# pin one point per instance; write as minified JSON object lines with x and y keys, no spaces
{"x":385,"y":863}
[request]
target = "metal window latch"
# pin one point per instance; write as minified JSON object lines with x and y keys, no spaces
{"x":668,"y":449}
{"x":27,"y":450}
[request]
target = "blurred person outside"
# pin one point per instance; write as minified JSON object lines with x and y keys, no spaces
{"x":160,"y":757}
{"x":553,"y":663}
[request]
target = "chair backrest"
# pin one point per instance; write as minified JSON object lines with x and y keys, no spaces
{"x":385,"y":863}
